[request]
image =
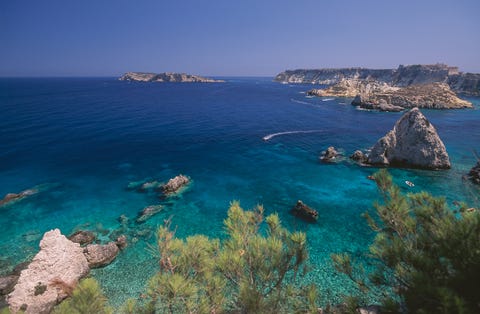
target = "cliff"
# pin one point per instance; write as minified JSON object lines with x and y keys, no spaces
{"x":166,"y":77}
{"x":459,"y":82}
{"x":381,"y":96}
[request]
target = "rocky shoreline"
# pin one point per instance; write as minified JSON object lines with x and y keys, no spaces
{"x":376,"y":95}
{"x":167,"y":77}
{"x":460,"y":82}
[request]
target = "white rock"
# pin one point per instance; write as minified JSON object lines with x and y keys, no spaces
{"x":58,"y":259}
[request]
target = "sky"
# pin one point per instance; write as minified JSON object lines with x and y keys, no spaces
{"x":233,"y":38}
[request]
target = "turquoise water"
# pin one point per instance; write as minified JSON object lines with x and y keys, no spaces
{"x":85,"y":139}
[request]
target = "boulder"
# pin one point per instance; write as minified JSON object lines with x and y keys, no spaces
{"x":413,"y":143}
{"x":59,"y":259}
{"x":148,"y":212}
{"x":99,"y":255}
{"x":359,"y":156}
{"x":82,"y":237}
{"x":305,"y":212}
{"x":328,"y":155}
{"x":175,"y":184}
{"x":474,"y":173}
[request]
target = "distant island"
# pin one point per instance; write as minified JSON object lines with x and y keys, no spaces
{"x":460,"y":82}
{"x":167,"y":77}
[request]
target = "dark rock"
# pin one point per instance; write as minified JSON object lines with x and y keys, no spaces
{"x":359,"y":156}
{"x":412,"y":143}
{"x":305,"y":212}
{"x":7,"y":284}
{"x":11,"y":198}
{"x":329,"y":154}
{"x":175,"y":184}
{"x":99,"y":255}
{"x":148,"y":212}
{"x":474,"y":173}
{"x":82,"y":237}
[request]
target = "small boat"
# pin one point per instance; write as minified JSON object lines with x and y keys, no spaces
{"x":409,"y":183}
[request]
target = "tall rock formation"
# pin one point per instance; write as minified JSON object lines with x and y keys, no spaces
{"x":413,"y":142}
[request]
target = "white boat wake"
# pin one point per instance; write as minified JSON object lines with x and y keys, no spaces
{"x":328,"y":99}
{"x":300,"y":102}
{"x":270,"y":136}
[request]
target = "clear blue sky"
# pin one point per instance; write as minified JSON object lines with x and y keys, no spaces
{"x":226,"y":37}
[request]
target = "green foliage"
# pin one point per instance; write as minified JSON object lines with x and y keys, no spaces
{"x":425,"y":253}
{"x":245,"y":273}
{"x":87,"y":297}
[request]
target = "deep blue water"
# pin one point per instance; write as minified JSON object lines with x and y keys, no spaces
{"x":85,"y":139}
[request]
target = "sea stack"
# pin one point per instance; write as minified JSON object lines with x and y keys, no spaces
{"x":413,"y":143}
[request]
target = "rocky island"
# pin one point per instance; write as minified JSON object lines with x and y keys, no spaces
{"x":371,"y":94}
{"x":403,"y":76}
{"x":166,"y":77}
{"x":412,"y":143}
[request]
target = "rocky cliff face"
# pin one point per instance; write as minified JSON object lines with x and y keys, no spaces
{"x":413,"y":142}
{"x":465,"y":83}
{"x":166,"y":77}
{"x":353,"y":87}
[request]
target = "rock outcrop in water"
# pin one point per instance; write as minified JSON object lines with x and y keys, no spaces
{"x":459,"y":82}
{"x":148,"y":212}
{"x":59,"y":259}
{"x":431,"y":96}
{"x":174,"y":185}
{"x":413,"y":142}
{"x":305,"y":212}
{"x":82,"y":237}
{"x":166,"y":77}
{"x":329,"y":154}
{"x":11,"y":198}
{"x":99,"y":255}
{"x":381,"y":96}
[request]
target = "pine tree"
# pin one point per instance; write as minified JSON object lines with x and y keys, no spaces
{"x":426,"y":255}
{"x":249,"y":272}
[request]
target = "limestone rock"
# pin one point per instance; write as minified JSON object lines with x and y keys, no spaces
{"x":166,"y":77}
{"x":11,"y":198}
{"x":403,"y":76}
{"x":353,"y":87}
{"x":82,"y":237}
{"x":431,"y":96}
{"x":413,"y":142}
{"x":59,"y":259}
{"x":329,"y":155}
{"x":121,"y":242}
{"x":148,"y":212}
{"x":99,"y":255}
{"x":175,"y":184}
{"x":305,"y":212}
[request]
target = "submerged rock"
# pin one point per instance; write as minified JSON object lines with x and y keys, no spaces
{"x":305,"y":212}
{"x":413,"y":142}
{"x":99,"y":255}
{"x":59,"y":259}
{"x":175,"y":184}
{"x":11,"y":198}
{"x":329,"y":155}
{"x":148,"y":212}
{"x":474,"y":173}
{"x":82,"y":237}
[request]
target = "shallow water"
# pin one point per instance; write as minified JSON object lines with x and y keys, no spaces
{"x":88,"y":138}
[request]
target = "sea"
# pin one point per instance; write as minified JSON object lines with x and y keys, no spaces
{"x":81,"y":141}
